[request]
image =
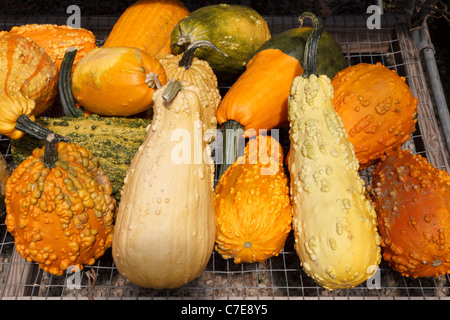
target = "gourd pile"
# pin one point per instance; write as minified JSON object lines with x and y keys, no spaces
{"x":113,"y":147}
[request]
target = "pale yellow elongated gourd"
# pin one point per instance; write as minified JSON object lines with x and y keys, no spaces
{"x":334,"y":223}
{"x":165,"y":228}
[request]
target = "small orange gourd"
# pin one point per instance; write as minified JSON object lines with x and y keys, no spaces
{"x":377,"y":107}
{"x":59,"y":207}
{"x":412,"y":200}
{"x":252,"y":205}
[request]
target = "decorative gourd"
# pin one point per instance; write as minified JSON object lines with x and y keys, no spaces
{"x":377,"y":107}
{"x":117,"y":81}
{"x":4,"y":175}
{"x":185,"y":67}
{"x":412,"y":200}
{"x":28,"y":83}
{"x":238,"y":31}
{"x":59,"y":207}
{"x":252,"y":205}
{"x":56,"y":39}
{"x":334,"y":222}
{"x":147,"y":25}
{"x":258,"y":99}
{"x":165,"y":228}
{"x":112,"y":140}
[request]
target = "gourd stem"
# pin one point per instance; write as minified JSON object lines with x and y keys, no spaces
{"x":188,"y":55}
{"x":152,"y":80}
{"x":50,"y":153}
{"x":310,"y":52}
{"x":171,"y":90}
{"x":68,"y":102}
{"x":232,"y":135}
{"x":34,"y":129}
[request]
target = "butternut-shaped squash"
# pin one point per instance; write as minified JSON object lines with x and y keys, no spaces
{"x":165,"y":228}
{"x":334,"y":222}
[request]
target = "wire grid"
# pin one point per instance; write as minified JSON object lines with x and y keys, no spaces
{"x":279,"y":277}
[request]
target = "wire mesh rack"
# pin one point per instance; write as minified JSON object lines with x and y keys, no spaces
{"x":280,"y":277}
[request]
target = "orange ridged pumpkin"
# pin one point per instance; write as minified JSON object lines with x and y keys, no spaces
{"x":252,"y":204}
{"x":377,"y":107}
{"x":412,"y":200}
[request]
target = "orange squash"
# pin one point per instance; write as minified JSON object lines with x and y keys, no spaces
{"x":117,"y":81}
{"x":412,"y":200}
{"x":252,"y":204}
{"x":147,"y":25}
{"x":56,"y":39}
{"x":377,"y":107}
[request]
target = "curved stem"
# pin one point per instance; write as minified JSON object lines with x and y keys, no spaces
{"x":232,"y":135}
{"x":310,"y":53}
{"x":188,"y":55}
{"x":34,"y":129}
{"x":68,"y":102}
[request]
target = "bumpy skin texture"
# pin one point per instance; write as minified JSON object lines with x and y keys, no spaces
{"x":334,"y":223}
{"x":147,"y":25}
{"x":28,"y":82}
{"x":56,"y":39}
{"x":201,"y":75}
{"x":252,"y":204}
{"x":60,"y":216}
{"x":412,"y":200}
{"x":165,"y":229}
{"x":236,"y":30}
{"x":377,"y":107}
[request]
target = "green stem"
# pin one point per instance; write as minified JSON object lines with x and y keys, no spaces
{"x":68,"y":102}
{"x":34,"y":129}
{"x":188,"y":55}
{"x":232,"y":135}
{"x":171,"y":90}
{"x":310,"y":52}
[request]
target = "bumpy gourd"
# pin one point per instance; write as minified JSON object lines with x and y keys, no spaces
{"x":334,"y":223}
{"x":4,"y":175}
{"x":412,"y":200}
{"x":377,"y":107}
{"x":252,"y":205}
{"x":56,"y":39}
{"x":59,"y":207}
{"x":165,"y":228}
{"x":28,"y":83}
{"x":186,"y":67}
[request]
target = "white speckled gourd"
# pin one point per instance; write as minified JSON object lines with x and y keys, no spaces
{"x":334,"y":223}
{"x":165,"y":228}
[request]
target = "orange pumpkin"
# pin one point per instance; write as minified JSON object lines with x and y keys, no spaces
{"x":252,"y":204}
{"x":412,"y":200}
{"x":117,"y":81}
{"x":377,"y":107}
{"x":147,"y":25}
{"x":56,"y":39}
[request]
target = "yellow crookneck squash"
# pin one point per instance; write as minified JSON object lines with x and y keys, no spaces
{"x":252,"y":205}
{"x":28,"y":85}
{"x":147,"y":25}
{"x":165,"y":229}
{"x":334,"y":222}
{"x":59,"y":207}
{"x":117,"y":81}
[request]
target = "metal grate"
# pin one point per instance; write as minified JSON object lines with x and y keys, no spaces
{"x":279,"y":277}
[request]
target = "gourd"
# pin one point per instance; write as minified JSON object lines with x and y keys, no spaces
{"x":165,"y":228}
{"x":377,"y":107}
{"x":258,"y":100}
{"x":28,"y":82}
{"x":117,"y":81}
{"x":56,"y":39}
{"x":59,"y":207}
{"x":334,"y":223}
{"x":186,"y":67}
{"x":4,"y":175}
{"x":252,"y":205}
{"x":112,"y":140}
{"x":147,"y":25}
{"x":411,"y":198}
{"x":236,"y":30}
